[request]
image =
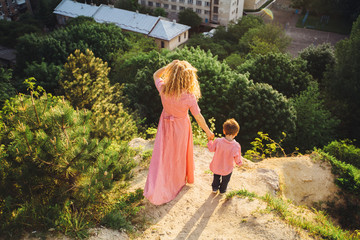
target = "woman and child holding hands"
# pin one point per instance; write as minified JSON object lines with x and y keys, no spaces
{"x":172,"y":163}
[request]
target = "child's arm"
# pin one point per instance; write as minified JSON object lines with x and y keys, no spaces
{"x":238,"y":158}
{"x":211,"y":145}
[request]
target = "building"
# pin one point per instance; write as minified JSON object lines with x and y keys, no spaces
{"x":165,"y":33}
{"x":10,"y":9}
{"x":220,"y":12}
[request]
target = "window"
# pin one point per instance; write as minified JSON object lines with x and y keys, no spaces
{"x":216,"y":10}
{"x":206,"y":11}
{"x":190,"y":1}
{"x":207,"y":4}
{"x":182,"y":1}
{"x":173,"y":0}
{"x":143,"y":2}
{"x":216,"y":2}
{"x":199,"y":3}
{"x":166,"y":6}
{"x":215,"y":17}
{"x":182,"y":8}
{"x":184,"y":35}
{"x":150,"y":3}
{"x":198,"y":11}
{"x":191,"y":9}
{"x":179,"y":38}
{"x":162,"y":44}
{"x":158,"y":5}
{"x":173,"y":7}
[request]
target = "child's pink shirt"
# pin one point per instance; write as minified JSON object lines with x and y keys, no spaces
{"x":226,"y":153}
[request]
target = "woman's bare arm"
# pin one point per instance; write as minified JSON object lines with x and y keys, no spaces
{"x":159,"y":73}
{"x":202,"y":123}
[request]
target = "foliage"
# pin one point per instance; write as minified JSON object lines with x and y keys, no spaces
{"x":10,"y":31}
{"x":218,"y":49}
{"x":286,"y":75}
{"x":50,"y":158}
{"x":348,"y":176}
{"x":86,"y":84}
{"x":55,"y":47}
{"x":122,"y":213}
{"x":241,"y":193}
{"x":318,"y":58}
{"x":315,"y":125}
{"x":199,"y":136}
{"x":190,"y":18}
{"x":344,"y":151}
{"x":47,"y":75}
{"x":44,"y":12}
{"x":234,"y":60}
{"x":131,"y":5}
{"x":264,"y":147}
{"x":6,"y":88}
{"x":343,"y":81}
{"x":272,"y":35}
{"x":260,"y":108}
{"x":160,"y":12}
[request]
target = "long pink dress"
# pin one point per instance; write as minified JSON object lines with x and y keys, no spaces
{"x":172,"y":163}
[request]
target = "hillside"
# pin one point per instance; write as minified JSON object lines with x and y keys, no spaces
{"x":196,"y":213}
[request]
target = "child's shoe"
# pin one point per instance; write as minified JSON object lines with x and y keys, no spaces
{"x":214,"y":191}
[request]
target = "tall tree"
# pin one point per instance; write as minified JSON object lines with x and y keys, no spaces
{"x":318,"y":58}
{"x":286,"y":75}
{"x":343,"y":81}
{"x":190,"y":18}
{"x":86,"y":85}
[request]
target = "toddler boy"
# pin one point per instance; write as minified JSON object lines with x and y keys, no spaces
{"x":227,"y":151}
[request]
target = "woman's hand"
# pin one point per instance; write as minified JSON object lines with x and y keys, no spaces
{"x":210,"y":135}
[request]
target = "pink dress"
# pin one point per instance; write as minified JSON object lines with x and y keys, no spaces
{"x":172,"y":163}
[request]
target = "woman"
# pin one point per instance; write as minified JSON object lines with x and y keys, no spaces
{"x":172,"y":163}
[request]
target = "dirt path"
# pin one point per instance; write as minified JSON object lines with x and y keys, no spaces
{"x":196,"y":213}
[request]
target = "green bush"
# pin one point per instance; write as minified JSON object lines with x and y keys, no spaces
{"x":50,"y":157}
{"x":286,"y":75}
{"x":344,"y":151}
{"x":348,"y":176}
{"x":315,"y":125}
{"x":260,"y":108}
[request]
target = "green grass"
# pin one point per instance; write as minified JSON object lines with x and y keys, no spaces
{"x":318,"y":225}
{"x":336,"y":24}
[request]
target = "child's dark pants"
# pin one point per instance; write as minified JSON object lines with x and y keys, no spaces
{"x":220,"y":182}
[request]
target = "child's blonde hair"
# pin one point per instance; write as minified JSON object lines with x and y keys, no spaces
{"x":231,"y":127}
{"x":179,"y":77}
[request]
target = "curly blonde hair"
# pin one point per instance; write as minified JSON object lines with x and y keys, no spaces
{"x":180,"y":77}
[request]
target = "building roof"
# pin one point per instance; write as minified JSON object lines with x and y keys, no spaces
{"x":70,"y":8}
{"x":131,"y":21}
{"x":167,"y":30}
{"x":155,"y":27}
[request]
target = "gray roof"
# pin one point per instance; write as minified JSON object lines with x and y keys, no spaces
{"x":168,"y":30}
{"x":127,"y":20}
{"x":70,"y":8}
{"x":155,"y":27}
